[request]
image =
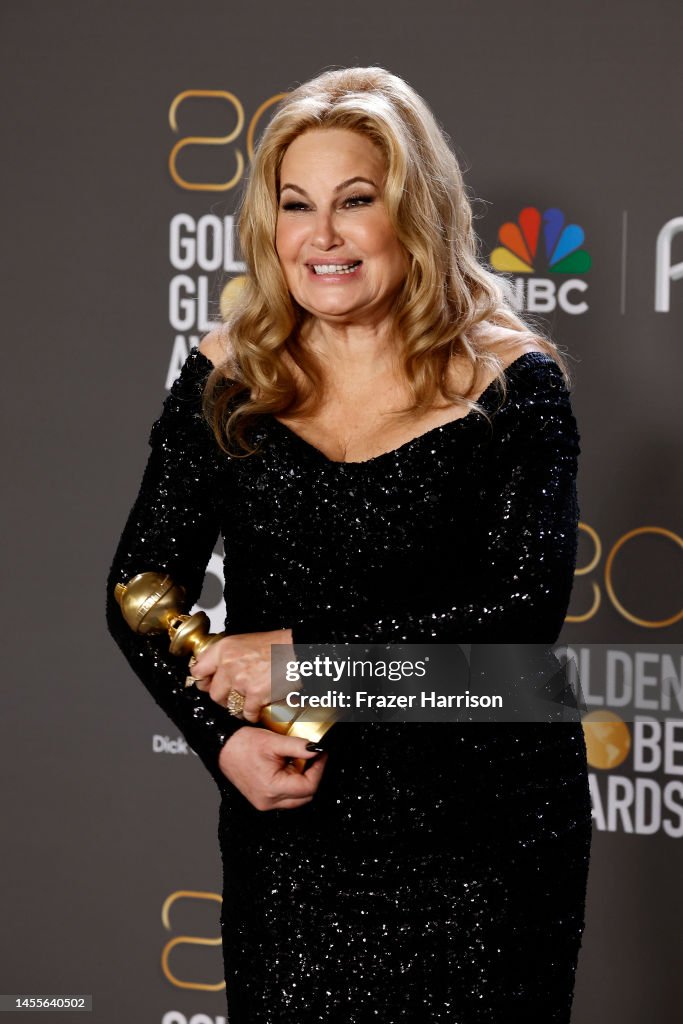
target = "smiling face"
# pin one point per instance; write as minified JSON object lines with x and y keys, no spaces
{"x":340,"y":256}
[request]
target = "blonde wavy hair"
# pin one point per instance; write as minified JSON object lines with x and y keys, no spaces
{"x":447,"y":293}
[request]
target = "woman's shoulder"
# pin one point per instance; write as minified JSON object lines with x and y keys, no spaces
{"x":538,"y":409}
{"x":521,"y":360}
{"x":534,"y":369}
{"x":215,"y":350}
{"x":182,"y":409}
{"x":215,"y":346}
{"x":537,"y":403}
{"x":511,"y":345}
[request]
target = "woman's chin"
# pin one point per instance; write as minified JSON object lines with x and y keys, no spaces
{"x":333,"y":310}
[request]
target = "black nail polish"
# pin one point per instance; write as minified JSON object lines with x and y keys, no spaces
{"x":314,"y":746}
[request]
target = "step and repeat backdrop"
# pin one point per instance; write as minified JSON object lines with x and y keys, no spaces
{"x":129,"y":131}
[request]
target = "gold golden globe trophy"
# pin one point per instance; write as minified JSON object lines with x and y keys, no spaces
{"x":151,"y":603}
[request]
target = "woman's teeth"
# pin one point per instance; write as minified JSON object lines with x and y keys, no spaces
{"x":340,"y":268}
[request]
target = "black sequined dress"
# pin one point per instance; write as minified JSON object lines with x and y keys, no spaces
{"x":439,"y":874}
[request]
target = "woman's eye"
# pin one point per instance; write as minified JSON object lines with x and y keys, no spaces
{"x":359,"y":200}
{"x":352,"y":201}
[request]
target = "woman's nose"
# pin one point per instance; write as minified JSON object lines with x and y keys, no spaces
{"x":325,"y":231}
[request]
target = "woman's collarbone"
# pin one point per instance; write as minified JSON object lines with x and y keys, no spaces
{"x":352,"y":435}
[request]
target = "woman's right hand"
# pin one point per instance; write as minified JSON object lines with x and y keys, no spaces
{"x":255,"y":761}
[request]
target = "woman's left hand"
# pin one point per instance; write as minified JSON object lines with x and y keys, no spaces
{"x":242,"y":662}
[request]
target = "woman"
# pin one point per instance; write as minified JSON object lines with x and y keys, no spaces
{"x":391,"y":457}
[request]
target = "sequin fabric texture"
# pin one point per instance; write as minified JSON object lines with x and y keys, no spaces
{"x":439,"y":874}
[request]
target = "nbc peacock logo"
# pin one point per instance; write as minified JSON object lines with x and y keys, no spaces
{"x":543,"y":244}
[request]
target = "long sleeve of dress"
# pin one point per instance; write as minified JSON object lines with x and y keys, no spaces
{"x":173,"y":527}
{"x":528,"y":544}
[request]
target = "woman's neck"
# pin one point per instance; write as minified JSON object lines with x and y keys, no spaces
{"x":353,"y":355}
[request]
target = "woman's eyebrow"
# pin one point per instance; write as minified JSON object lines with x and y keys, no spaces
{"x":349,"y":181}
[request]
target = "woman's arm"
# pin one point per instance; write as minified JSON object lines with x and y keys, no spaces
{"x":527,"y":539}
{"x":173,"y":527}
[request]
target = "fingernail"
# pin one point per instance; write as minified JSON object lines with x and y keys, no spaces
{"x":314,"y":746}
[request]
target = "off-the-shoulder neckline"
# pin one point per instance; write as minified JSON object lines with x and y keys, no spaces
{"x":483,"y":400}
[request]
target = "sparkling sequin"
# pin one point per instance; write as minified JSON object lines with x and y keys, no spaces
{"x":439,"y":874}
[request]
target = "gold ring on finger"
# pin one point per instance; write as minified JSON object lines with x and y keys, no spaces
{"x":235,"y":703}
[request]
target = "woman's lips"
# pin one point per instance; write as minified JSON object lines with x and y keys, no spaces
{"x":335,"y":276}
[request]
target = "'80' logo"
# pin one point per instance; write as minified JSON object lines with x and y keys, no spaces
{"x":621,"y":549}
{"x":237,"y":154}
